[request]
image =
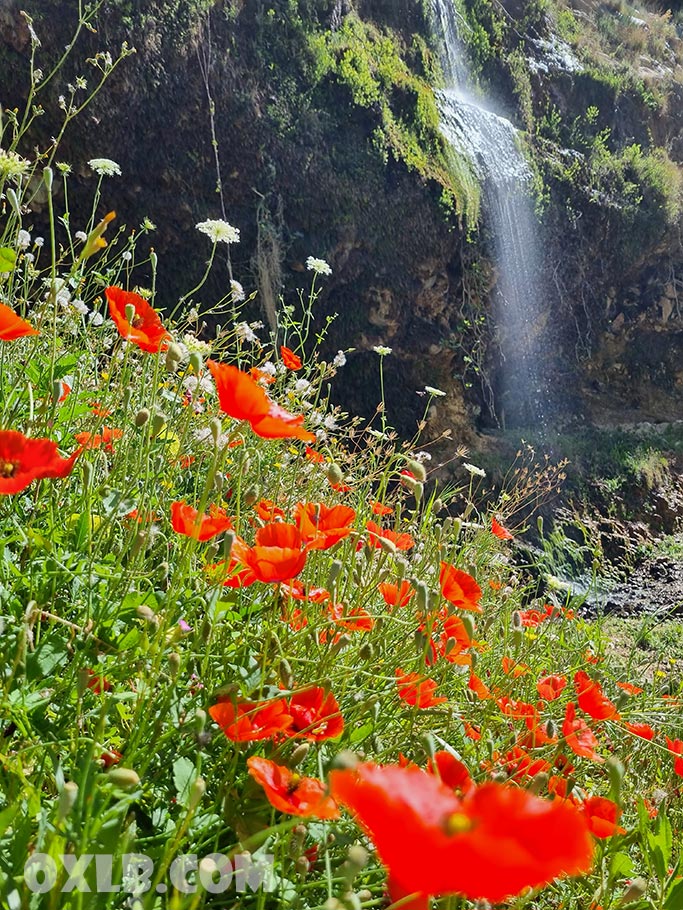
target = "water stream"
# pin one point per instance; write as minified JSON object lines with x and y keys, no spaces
{"x":472,"y":126}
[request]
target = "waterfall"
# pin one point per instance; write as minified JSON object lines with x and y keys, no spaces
{"x":472,"y":126}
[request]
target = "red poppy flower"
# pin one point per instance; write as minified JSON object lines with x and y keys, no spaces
{"x":315,"y":714}
{"x":230,"y":575}
{"x":518,"y":710}
{"x":630,"y":689}
{"x":13,"y":326}
{"x":480,"y":689}
{"x":396,"y":595}
{"x":104,"y":440}
{"x":471,"y":731}
{"x":23,"y":460}
{"x":97,"y":683}
{"x":579,"y":736}
{"x":459,"y":588}
{"x":491,"y":844}
{"x":512,"y":668}
{"x":518,"y":764}
{"x":592,"y":699}
{"x":452,"y":772}
{"x":312,"y":455}
{"x":417,"y":690}
{"x":242,"y":398}
{"x":268,"y":511}
{"x":277,"y":554}
{"x":675,"y":746}
{"x":602,"y":816}
{"x":354,"y":620}
{"x":645,"y":731}
{"x":298,"y":591}
{"x":290,"y":792}
{"x":290,"y":359}
{"x":499,"y":531}
{"x":186,"y":520}
{"x":145,"y":329}
{"x":64,"y":390}
{"x":379,"y":508}
{"x":550,"y":687}
{"x":454,"y":639}
{"x":247,"y":721}
{"x":376,"y":534}
{"x":323,"y":526}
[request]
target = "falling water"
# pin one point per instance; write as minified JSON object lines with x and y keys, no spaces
{"x":491,"y":144}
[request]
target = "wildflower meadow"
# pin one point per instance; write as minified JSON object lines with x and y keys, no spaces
{"x":260,"y":653}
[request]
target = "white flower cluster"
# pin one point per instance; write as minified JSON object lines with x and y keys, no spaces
{"x":105,"y":167}
{"x":219,"y":231}
{"x":319,"y":266}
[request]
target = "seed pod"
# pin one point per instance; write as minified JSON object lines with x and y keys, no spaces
{"x":159,"y":421}
{"x":130,"y":313}
{"x":67,"y":800}
{"x":142,"y":417}
{"x":173,"y":663}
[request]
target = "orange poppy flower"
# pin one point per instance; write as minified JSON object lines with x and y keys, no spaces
{"x":417,"y":690}
{"x":377,"y":534}
{"x":186,"y":520}
{"x":550,"y":687}
{"x":290,"y":359}
{"x":247,"y":721}
{"x":315,"y":714}
{"x":592,"y":699}
{"x":312,"y":455}
{"x":602,"y":816}
{"x":499,"y":531}
{"x":323,"y":526}
{"x":230,"y":575}
{"x":23,"y":460}
{"x":242,"y":398}
{"x":277,"y":554}
{"x":290,"y":792}
{"x":675,"y":746}
{"x":480,"y":689}
{"x":396,"y":595}
{"x":459,"y":588}
{"x":355,"y":620}
{"x":13,"y":326}
{"x":379,"y":508}
{"x":512,"y":668}
{"x":298,"y":591}
{"x":268,"y":511}
{"x":630,"y":689}
{"x":471,"y":731}
{"x":645,"y":731}
{"x":145,"y":330}
{"x":579,"y":736}
{"x":490,"y":844}
{"x":104,"y":440}
{"x":454,"y":639}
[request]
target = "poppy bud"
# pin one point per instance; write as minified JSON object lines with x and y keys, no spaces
{"x":387,"y":545}
{"x":13,"y":201}
{"x":365,"y":652}
{"x":138,"y":545}
{"x":199,"y":719}
{"x":429,"y":744}
{"x":251,"y":495}
{"x":616,"y":772}
{"x":142,"y":417}
{"x":334,"y":473}
{"x":551,"y":728}
{"x":48,"y":177}
{"x":517,"y":620}
{"x":174,"y":355}
{"x":174,"y":663}
{"x":299,"y":754}
{"x":302,"y":866}
{"x":517,"y":638}
{"x":82,"y":680}
{"x":153,"y":259}
{"x":124,"y":778}
{"x":376,"y":743}
{"x":437,"y":506}
{"x":364,"y":895}
{"x":468,"y":623}
{"x":228,"y":541}
{"x":197,"y":790}
{"x":538,"y":782}
{"x":333,"y":573}
{"x":357,"y":857}
{"x":127,"y":395}
{"x":87,"y":469}
{"x":539,"y":525}
{"x":218,"y":482}
{"x":346,"y":760}
{"x":158,"y":423}
{"x":417,"y":469}
{"x":286,"y":676}
{"x":196,"y":362}
{"x":635,"y":891}
{"x":67,"y":800}
{"x":401,"y":566}
{"x":421,"y":596}
{"x":216,"y":429}
{"x":144,"y":612}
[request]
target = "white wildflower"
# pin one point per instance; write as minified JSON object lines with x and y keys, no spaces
{"x":421,"y":456}
{"x":202,"y":384}
{"x":81,"y":235}
{"x":245,"y":333}
{"x":105,"y":167}
{"x":302,"y":387}
{"x":192,"y":343}
{"x":29,"y":257}
{"x":126,"y":255}
{"x":23,"y":239}
{"x":237,"y":290}
{"x":80,"y":307}
{"x":96,"y":319}
{"x":319,"y":266}
{"x":12,"y":166}
{"x":37,"y":76}
{"x":219,"y":231}
{"x":268,"y":368}
{"x":329,"y":422}
{"x":339,"y":360}
{"x":436,"y":393}
{"x":473,"y":469}
{"x":382,"y":350}
{"x":39,"y":242}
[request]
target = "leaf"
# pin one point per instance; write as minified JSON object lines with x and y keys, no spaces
{"x":116,"y":503}
{"x":184,"y":775}
{"x":51,"y":654}
{"x":8,"y":259}
{"x":360,"y":733}
{"x":674,"y":897}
